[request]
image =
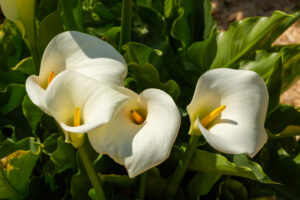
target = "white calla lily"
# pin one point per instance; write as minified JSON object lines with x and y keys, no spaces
{"x":76,"y":51}
{"x":22,"y":14}
{"x":240,"y":127}
{"x":139,"y":136}
{"x":76,"y":97}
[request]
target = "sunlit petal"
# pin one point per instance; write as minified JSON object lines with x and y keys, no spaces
{"x":140,"y":147}
{"x":97,"y":103}
{"x":240,"y":127}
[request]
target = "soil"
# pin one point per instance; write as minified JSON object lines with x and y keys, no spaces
{"x":228,"y":11}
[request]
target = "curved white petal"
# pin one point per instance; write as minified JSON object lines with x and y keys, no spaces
{"x":9,"y":9}
{"x":97,"y":103}
{"x":240,"y":127}
{"x":21,"y":13}
{"x":36,"y":93}
{"x":104,"y":70}
{"x":73,"y":50}
{"x":140,"y":147}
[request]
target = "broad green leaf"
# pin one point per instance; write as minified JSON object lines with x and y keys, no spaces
{"x":281,"y":117}
{"x":77,"y":12}
{"x":194,"y":22}
{"x":137,"y":52}
{"x":269,"y":67}
{"x":14,"y":94}
{"x":201,"y":184}
{"x":170,"y":7}
{"x":291,"y":70}
{"x":234,"y":189}
{"x":16,"y":164}
{"x":149,"y":27}
{"x":11,"y":77}
{"x":32,"y":113}
{"x":289,"y":131}
{"x":62,"y":155}
{"x":25,"y":66}
{"x":10,"y":45}
{"x":241,"y":160}
{"x":203,"y":53}
{"x":72,"y":14}
{"x":248,"y":35}
{"x":204,"y":161}
{"x":46,"y":7}
{"x":147,"y":77}
{"x":103,"y":12}
{"x":50,"y":26}
{"x":155,"y":184}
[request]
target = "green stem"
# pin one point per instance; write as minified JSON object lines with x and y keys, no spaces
{"x":95,"y":180}
{"x":9,"y":186}
{"x":68,"y":16}
{"x":36,"y":60}
{"x":182,"y":167}
{"x":125,"y":23}
{"x":142,"y":188}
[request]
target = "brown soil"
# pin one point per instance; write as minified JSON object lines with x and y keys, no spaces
{"x":227,"y":11}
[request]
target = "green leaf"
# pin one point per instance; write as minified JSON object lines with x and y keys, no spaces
{"x":194,"y":22}
{"x":149,"y":27}
{"x":203,"y":53}
{"x":11,"y":45}
{"x":50,"y":26}
{"x":16,"y":164}
{"x":169,"y":8}
{"x":248,"y":35}
{"x":289,"y":131}
{"x":137,"y":52}
{"x":25,"y":66}
{"x":147,"y":77}
{"x":72,"y":14}
{"x":61,"y":155}
{"x":201,"y":184}
{"x":291,"y":71}
{"x":204,"y":161}
{"x":236,"y":189}
{"x":32,"y":113}
{"x":281,"y":117}
{"x":46,"y":7}
{"x":14,"y":94}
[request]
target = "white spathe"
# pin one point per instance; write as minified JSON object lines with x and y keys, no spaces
{"x":97,"y":103}
{"x":84,"y":53}
{"x":139,"y":147}
{"x":21,"y":12}
{"x":240,"y":127}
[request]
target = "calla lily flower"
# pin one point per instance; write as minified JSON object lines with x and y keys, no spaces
{"x":80,"y":104}
{"x":77,"y":51}
{"x":238,"y":128}
{"x":22,"y":14}
{"x":141,"y":134}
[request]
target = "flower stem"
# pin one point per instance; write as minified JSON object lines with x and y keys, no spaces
{"x":125,"y":23}
{"x":94,"y":178}
{"x":36,"y":60}
{"x":181,"y":168}
{"x":142,"y":187}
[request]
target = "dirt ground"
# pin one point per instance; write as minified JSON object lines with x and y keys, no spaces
{"x":227,"y":11}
